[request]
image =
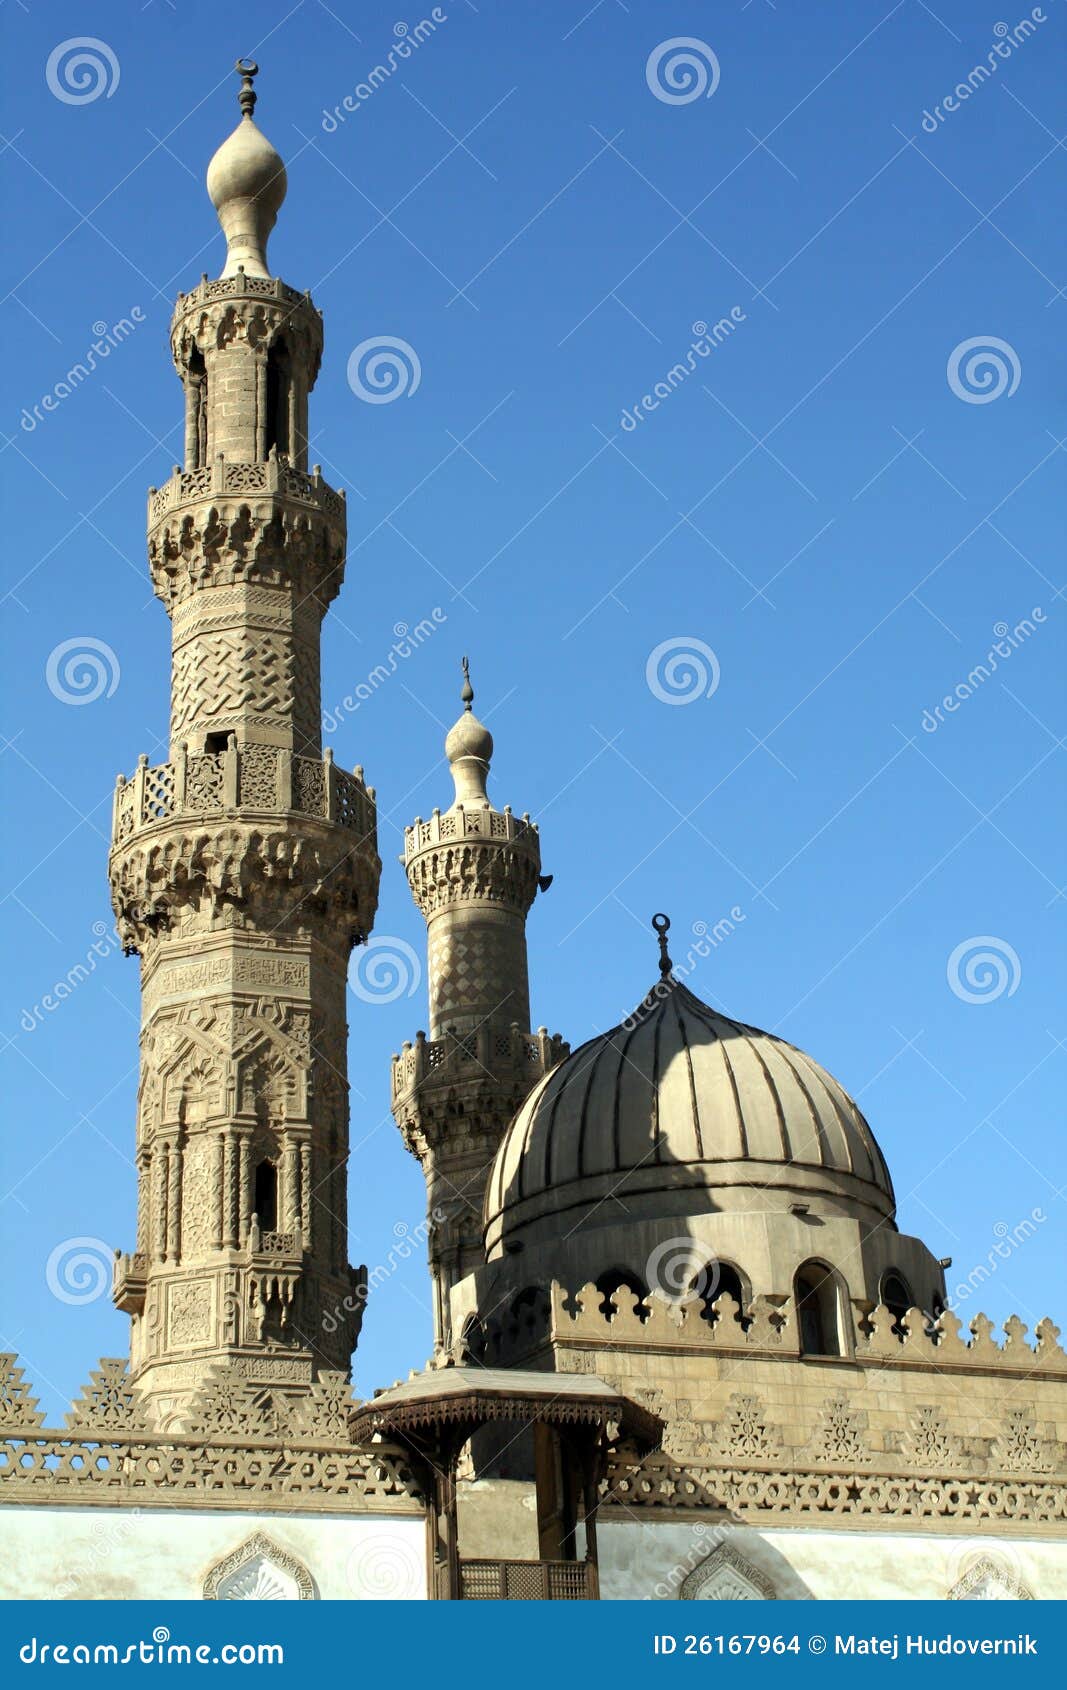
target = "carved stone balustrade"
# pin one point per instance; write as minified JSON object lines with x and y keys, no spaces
{"x":482,"y":1054}
{"x":459,"y":823}
{"x":248,"y":778}
{"x":274,"y":477}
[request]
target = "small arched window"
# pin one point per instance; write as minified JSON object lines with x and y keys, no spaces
{"x":895,"y":1293}
{"x":719,"y":1279}
{"x":266,"y":1195}
{"x":196,"y":400}
{"x":817,"y":1302}
{"x":279,"y":382}
{"x":609,"y":1282}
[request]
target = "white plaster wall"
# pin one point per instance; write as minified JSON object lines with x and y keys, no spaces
{"x":168,"y":1552}
{"x":640,"y":1560}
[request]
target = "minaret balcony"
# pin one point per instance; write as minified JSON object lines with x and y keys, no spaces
{"x":275,"y":476}
{"x":246,"y":778}
{"x":273,"y":1248}
{"x":479,"y":822}
{"x":487,"y":1054}
{"x":129,"y":1281}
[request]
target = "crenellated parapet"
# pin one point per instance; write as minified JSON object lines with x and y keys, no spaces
{"x":769,"y":1322}
{"x":917,"y":1422}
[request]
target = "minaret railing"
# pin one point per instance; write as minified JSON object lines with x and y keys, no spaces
{"x":247,"y":777}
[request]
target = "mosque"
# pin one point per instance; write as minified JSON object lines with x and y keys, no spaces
{"x":681,"y":1348}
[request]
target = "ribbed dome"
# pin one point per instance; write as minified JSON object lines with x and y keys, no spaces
{"x":681,"y":1110}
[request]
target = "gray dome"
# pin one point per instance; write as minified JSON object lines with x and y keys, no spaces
{"x":680,"y":1110}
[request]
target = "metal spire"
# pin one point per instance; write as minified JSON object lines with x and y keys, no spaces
{"x":246,"y":98}
{"x":662,"y":925}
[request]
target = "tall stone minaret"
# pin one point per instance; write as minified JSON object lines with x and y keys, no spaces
{"x":474,"y":872}
{"x":245,"y":867}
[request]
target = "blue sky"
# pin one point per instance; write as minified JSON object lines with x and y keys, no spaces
{"x":829,"y":503}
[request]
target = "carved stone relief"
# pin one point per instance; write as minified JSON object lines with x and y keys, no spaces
{"x":260,"y":1570}
{"x":725,"y":1576}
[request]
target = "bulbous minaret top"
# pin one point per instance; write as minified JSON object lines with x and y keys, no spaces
{"x":247,"y":183}
{"x":469,"y":749}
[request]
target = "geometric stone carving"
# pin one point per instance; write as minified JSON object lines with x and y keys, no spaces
{"x":225,"y":1406}
{"x":18,"y":1407}
{"x":930,"y":1443}
{"x":990,"y":1580}
{"x":795,"y":1494}
{"x":260,"y":1570}
{"x":109,"y":1402}
{"x":743,"y":1432}
{"x":1020,"y":1449}
{"x":322,"y":1415}
{"x":839,"y":1438}
{"x":725,"y":1576}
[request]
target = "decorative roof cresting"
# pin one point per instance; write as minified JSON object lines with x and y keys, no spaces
{"x":247,"y":184}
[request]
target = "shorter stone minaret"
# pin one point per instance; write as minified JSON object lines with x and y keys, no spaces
{"x":474,"y":872}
